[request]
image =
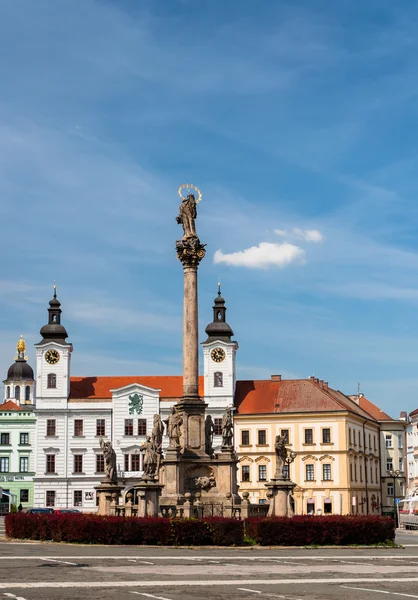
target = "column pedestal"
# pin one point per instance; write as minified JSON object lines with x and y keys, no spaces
{"x":109,"y":494}
{"x":148,"y":494}
{"x":278,"y":493}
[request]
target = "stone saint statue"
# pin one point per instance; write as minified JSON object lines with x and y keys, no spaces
{"x":110,"y":461}
{"x":174,"y":423}
{"x":227,"y":429}
{"x":157,"y":432}
{"x":187,"y":216}
{"x":209,"y":431}
{"x":281,"y":455}
{"x":150,"y":457}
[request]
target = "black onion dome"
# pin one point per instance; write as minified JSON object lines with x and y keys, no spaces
{"x":219,"y":328}
{"x":20,"y":370}
{"x":53,"y":330}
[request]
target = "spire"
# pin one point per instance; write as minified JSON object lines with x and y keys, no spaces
{"x":219,"y":328}
{"x":20,"y":368}
{"x":21,"y":347}
{"x":53,"y":330}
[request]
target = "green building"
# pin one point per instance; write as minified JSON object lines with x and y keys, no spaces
{"x":17,"y":434}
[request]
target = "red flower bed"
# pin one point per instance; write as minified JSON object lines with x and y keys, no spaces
{"x":321,"y":531}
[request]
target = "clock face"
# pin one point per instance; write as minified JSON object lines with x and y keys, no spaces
{"x":52,"y":357}
{"x":218,"y":354}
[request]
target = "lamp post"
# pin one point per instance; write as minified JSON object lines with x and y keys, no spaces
{"x":396,"y":475}
{"x":287,"y":462}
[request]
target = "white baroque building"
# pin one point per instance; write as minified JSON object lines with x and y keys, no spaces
{"x":73,"y":413}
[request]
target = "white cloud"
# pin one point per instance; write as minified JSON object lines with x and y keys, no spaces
{"x":263,"y":256}
{"x":309,"y":235}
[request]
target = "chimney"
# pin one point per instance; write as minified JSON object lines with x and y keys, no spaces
{"x":321,"y":383}
{"x":276,"y":378}
{"x":325,"y":385}
{"x":403,"y":416}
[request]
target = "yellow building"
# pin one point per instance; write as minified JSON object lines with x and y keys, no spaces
{"x":337,"y":466}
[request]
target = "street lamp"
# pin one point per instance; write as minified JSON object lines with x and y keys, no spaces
{"x":287,"y":462}
{"x":396,"y":475}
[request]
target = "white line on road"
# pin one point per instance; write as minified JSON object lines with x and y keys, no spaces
{"x":65,"y":562}
{"x":150,"y":596}
{"x":13,"y":596}
{"x":247,"y":590}
{"x":201,"y":583}
{"x":380,"y":591}
{"x":143,"y":562}
{"x":207,"y":558}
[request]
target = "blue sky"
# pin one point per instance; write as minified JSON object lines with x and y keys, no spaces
{"x":296,"y":119}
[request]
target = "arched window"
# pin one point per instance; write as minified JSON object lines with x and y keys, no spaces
{"x":218,"y":379}
{"x":17,"y":392}
{"x":27,"y":392}
{"x":8,"y":391}
{"x":219,"y":315}
{"x":52,"y":381}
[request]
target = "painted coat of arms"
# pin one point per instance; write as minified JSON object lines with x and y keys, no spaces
{"x":136,"y":402}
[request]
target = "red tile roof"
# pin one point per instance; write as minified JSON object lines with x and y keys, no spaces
{"x":291,"y":396}
{"x":99,"y":387}
{"x":9,"y":405}
{"x":374,"y":410}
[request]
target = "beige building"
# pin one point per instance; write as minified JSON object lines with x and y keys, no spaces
{"x":336,"y":469}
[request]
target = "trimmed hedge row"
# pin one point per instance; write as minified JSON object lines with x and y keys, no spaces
{"x":216,"y":531}
{"x":94,"y":529}
{"x":321,"y":531}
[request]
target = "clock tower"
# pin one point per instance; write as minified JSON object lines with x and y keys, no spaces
{"x":219,"y":352}
{"x":53,"y":358}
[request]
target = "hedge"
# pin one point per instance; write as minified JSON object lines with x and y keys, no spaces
{"x":216,"y":531}
{"x":321,"y":531}
{"x":94,"y":529}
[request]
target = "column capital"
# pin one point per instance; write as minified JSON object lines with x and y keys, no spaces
{"x":190,"y":252}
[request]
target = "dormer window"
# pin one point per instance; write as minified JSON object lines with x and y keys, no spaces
{"x":218,"y":379}
{"x":51,"y":381}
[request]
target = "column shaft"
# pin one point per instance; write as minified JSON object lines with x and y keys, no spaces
{"x":190,"y":334}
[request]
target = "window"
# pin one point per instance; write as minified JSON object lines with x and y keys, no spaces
{"x":374,"y":442}
{"x":285,"y":433}
{"x":218,"y":379}
{"x":389,"y":464}
{"x":310,"y":508}
{"x":286,"y":472}
{"x":24,"y":464}
{"x":308,"y":436}
{"x":50,"y":498}
{"x":129,"y":426}
{"x":349,"y":435}
{"x":371,"y":474}
{"x":370,"y":441}
{"x":4,"y":464}
{"x":5,"y":439}
{"x":24,"y":495}
{"x":78,"y":463}
{"x":400,"y":441}
{"x":51,"y":381}
{"x":262,"y":501}
{"x":309,"y":473}
{"x":351,"y":472}
{"x":27,"y":393}
{"x":245,"y":437}
{"x":388,"y":439}
{"x":135,"y":465}
{"x":78,"y":498}
{"x":245,"y":473}
{"x":17,"y":392}
{"x":355,"y":471}
{"x":375,"y":472}
{"x":142,"y":427}
{"x":51,"y":427}
{"x":262,"y":438}
{"x":390,"y":489}
{"x":327,"y":507}
{"x":326,"y":436}
{"x":361,"y":472}
{"x":262,"y":473}
{"x":100,"y":465}
{"x":100,"y":427}
{"x":24,"y":439}
{"x":8,"y":391}
{"x":126,"y":462}
{"x":217,"y":423}
{"x":78,"y":427}
{"x":400,"y":464}
{"x":359,"y":439}
{"x":326,"y":472}
{"x":50,"y":463}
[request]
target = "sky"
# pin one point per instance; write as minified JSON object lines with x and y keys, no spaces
{"x":296,"y":119}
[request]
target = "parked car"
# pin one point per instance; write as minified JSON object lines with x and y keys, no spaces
{"x":39,"y":511}
{"x":67,"y":510}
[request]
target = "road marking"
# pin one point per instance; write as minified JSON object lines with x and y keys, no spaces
{"x":380,"y":591}
{"x":150,"y":595}
{"x":13,"y":596}
{"x":247,"y":590}
{"x":201,"y":583}
{"x":206,"y":558}
{"x":65,"y":562}
{"x":143,"y":562}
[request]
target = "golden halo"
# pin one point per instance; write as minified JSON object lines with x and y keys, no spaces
{"x":189,"y":188}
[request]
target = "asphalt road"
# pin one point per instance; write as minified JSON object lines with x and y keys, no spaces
{"x":47,"y":571}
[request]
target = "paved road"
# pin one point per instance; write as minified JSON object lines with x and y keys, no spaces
{"x":43,"y":571}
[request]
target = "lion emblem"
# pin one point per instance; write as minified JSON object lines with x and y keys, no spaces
{"x":136,"y":402}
